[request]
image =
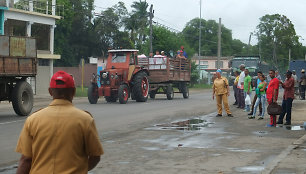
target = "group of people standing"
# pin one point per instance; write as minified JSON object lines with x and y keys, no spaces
{"x":266,"y":91}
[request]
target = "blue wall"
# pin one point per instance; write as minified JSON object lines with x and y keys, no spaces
{"x":1,"y":22}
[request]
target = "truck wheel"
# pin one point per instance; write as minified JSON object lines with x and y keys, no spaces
{"x":123,"y":94}
{"x":92,"y":93}
{"x":141,"y":87}
{"x":170,"y":92}
{"x":152,"y":94}
{"x":185,"y":90}
{"x":22,"y":98}
{"x":110,"y":99}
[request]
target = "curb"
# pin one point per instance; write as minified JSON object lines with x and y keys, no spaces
{"x":271,"y":167}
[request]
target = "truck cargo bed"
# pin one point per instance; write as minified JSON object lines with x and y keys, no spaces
{"x":166,"y":70}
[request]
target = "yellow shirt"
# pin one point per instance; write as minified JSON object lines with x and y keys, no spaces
{"x":59,"y":138}
{"x":220,"y":86}
{"x":236,"y":80}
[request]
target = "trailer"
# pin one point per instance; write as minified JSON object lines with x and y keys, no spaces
{"x":18,"y":61}
{"x":167,"y":75}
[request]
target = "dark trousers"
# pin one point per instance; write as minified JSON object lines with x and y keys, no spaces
{"x":286,"y":105}
{"x":235,"y":93}
{"x":253,"y":104}
{"x":302,"y":92}
{"x":241,"y":103}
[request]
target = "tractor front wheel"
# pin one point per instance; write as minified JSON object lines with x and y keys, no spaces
{"x":123,"y":94}
{"x":92,"y":93}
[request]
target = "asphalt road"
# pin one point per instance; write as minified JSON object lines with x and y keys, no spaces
{"x":140,"y":137}
{"x":110,"y":117}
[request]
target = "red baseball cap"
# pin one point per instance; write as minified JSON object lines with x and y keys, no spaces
{"x":67,"y":79}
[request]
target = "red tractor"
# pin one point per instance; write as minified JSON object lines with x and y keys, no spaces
{"x":122,"y":78}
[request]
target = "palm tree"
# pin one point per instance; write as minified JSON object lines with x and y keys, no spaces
{"x":137,"y":21}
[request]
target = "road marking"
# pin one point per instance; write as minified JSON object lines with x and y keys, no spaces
{"x":9,"y":122}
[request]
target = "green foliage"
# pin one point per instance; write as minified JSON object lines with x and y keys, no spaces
{"x":276,"y":35}
{"x":209,"y":39}
{"x":194,"y":74}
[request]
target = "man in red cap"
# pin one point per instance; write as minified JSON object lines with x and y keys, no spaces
{"x":59,"y":138}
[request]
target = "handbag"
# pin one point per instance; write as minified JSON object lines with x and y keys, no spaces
{"x":274,"y":109}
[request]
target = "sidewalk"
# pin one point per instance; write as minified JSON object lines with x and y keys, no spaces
{"x":292,"y":159}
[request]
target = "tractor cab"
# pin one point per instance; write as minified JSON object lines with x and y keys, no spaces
{"x":121,"y":58}
{"x":122,"y":78}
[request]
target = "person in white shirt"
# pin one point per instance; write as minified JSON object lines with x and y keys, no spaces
{"x":240,"y":86}
{"x":296,"y":82}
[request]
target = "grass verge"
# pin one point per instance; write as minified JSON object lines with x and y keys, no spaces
{"x":201,"y":86}
{"x":80,"y":92}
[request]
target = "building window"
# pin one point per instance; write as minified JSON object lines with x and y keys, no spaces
{"x":203,"y":62}
{"x":220,"y":63}
{"x":43,"y":62}
{"x":203,"y":66}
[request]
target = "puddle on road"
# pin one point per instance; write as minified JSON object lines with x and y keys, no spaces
{"x":293,"y":128}
{"x":241,"y":150}
{"x":250,"y":169}
{"x":199,"y":132}
{"x":187,"y":125}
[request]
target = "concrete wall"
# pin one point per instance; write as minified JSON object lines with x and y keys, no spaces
{"x":42,"y":80}
{"x":77,"y":73}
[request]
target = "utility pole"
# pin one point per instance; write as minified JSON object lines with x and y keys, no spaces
{"x":249,"y":45}
{"x":219,"y":44}
{"x":289,"y":56}
{"x":200,"y":35}
{"x":151,"y":28}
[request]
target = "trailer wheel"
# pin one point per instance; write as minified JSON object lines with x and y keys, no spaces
{"x":22,"y":98}
{"x":110,"y":99}
{"x":152,"y":94}
{"x":185,"y":90}
{"x":141,"y":87}
{"x":92,"y":93}
{"x":123,"y":93}
{"x":170,"y":92}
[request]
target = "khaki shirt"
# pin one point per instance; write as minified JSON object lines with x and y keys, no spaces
{"x":59,"y":138}
{"x":220,"y":86}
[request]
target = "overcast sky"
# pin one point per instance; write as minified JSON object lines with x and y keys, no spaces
{"x":241,"y":16}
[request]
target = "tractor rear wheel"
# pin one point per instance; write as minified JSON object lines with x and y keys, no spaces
{"x":22,"y":98}
{"x":92,"y":93}
{"x":123,"y":93}
{"x":110,"y":99}
{"x":170,"y":92}
{"x":141,"y":87}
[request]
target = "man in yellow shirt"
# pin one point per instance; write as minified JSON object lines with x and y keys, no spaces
{"x":235,"y":87}
{"x":221,"y":91}
{"x":60,"y":138}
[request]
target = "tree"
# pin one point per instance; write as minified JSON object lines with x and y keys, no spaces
{"x":276,"y":35}
{"x":137,"y":22}
{"x":107,"y":30}
{"x":209,"y":37}
{"x":73,"y":37}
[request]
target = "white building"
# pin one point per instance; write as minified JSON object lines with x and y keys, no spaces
{"x":26,"y":19}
